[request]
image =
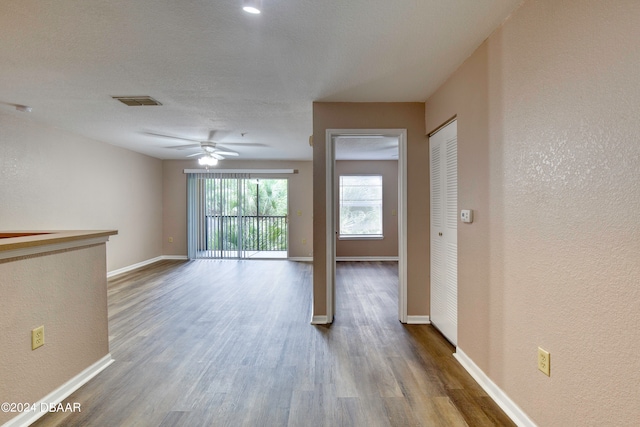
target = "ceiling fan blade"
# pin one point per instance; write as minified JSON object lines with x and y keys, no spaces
{"x":193,"y":155}
{"x":217,"y":135}
{"x":170,"y":137}
{"x":227,"y":153}
{"x":245,"y":144}
{"x":224,"y":150}
{"x":184,"y":147}
{"x":216,"y":156}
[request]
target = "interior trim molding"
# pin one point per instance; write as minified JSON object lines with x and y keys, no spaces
{"x":367,"y":258}
{"x":320,"y":320}
{"x":443,"y":125}
{"x":330,"y":210}
{"x":133,"y":267}
{"x":512,"y":410}
{"x":418,"y":320}
{"x":174,"y":257}
{"x":58,"y":395}
{"x":301,"y":258}
{"x":145,"y":263}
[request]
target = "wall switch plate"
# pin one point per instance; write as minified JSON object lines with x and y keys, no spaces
{"x":544,"y":362}
{"x":466,"y":215}
{"x":37,"y":337}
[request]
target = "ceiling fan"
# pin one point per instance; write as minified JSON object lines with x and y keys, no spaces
{"x":209,"y":147}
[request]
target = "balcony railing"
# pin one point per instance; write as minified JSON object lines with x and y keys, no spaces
{"x":259,"y":233}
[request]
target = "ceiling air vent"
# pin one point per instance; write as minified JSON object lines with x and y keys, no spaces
{"x":137,"y":101}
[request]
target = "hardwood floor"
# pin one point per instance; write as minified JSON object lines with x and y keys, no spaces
{"x":228,"y":343}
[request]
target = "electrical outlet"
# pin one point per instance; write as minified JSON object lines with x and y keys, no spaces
{"x":304,"y":241}
{"x":466,"y":215}
{"x":170,"y":239}
{"x":544,"y":361}
{"x":37,"y":337}
{"x":299,"y":213}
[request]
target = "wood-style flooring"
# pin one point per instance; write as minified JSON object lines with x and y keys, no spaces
{"x":229,"y":343}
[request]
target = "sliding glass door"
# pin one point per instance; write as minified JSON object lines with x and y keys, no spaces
{"x":265,"y":221}
{"x":222,"y":218}
{"x":234,"y":216}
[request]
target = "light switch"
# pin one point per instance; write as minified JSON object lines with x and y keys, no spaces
{"x":466,"y":215}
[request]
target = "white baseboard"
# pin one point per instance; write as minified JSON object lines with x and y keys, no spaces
{"x":175,"y":257}
{"x":133,"y":267}
{"x":320,"y":320}
{"x":301,"y":258}
{"x":144,"y":263}
{"x":418,"y":320}
{"x":367,"y":258}
{"x":58,"y":395}
{"x":512,"y":410}
{"x":344,"y":258}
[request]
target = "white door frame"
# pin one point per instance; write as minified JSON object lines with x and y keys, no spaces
{"x":331,"y":191}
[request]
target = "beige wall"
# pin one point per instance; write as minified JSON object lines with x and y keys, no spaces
{"x":410,"y":116}
{"x":300,"y":199}
{"x":51,"y":179}
{"x":549,"y":159}
{"x":388,"y":246}
{"x":67,"y":293}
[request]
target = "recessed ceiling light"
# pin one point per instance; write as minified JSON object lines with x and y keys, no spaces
{"x":252,"y":6}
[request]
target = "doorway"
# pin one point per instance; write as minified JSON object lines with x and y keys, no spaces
{"x":333,"y":136}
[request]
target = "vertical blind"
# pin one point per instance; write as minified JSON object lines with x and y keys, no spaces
{"x":214,"y":212}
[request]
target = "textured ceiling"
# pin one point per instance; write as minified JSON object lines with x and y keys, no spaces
{"x":215,"y":67}
{"x":364,"y":148}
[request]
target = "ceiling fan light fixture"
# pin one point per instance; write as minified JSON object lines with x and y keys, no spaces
{"x":207,"y":161}
{"x":252,"y":6}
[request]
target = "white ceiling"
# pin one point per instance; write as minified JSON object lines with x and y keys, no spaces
{"x":215,"y":67}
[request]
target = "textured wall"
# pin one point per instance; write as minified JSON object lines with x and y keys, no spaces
{"x":388,"y":246}
{"x":50,"y":179}
{"x":549,"y":158}
{"x":67,"y":293}
{"x":403,"y":115}
{"x":300,"y":199}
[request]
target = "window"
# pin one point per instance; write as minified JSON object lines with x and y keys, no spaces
{"x":360,"y":206}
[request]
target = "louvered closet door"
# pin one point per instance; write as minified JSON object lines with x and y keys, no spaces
{"x":443,"y":150}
